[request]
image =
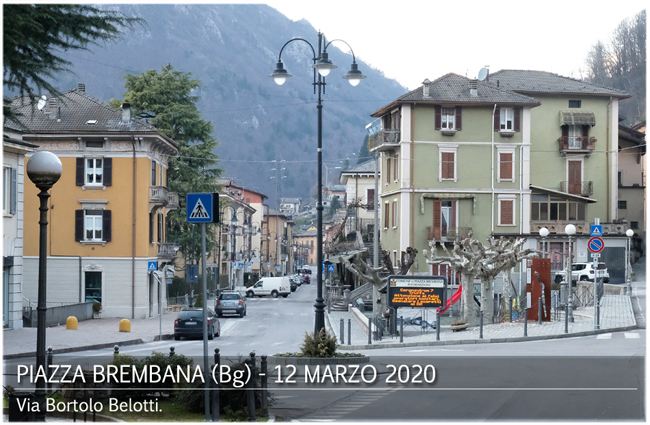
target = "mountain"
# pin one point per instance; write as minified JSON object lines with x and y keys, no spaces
{"x":232,"y":49}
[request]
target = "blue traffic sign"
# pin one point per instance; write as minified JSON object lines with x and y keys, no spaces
{"x":152,"y":266}
{"x":596,"y":244}
{"x":330,"y":267}
{"x":202,"y":207}
{"x":596,"y":230}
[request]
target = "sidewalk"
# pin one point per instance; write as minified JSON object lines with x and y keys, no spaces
{"x":616,"y":315}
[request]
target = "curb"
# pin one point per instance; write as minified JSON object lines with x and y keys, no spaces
{"x":75,"y":349}
{"x":486,"y":340}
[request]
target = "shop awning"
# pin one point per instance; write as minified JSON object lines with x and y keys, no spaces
{"x":577,"y":118}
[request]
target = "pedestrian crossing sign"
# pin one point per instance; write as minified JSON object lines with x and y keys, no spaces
{"x":596,"y":230}
{"x":152,"y":266}
{"x":202,"y":207}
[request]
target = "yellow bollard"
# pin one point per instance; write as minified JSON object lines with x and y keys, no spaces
{"x":71,"y":323}
{"x":125,"y":325}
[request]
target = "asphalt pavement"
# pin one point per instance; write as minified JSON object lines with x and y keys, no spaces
{"x":617,"y":314}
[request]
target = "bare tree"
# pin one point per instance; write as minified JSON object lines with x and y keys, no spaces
{"x":474,"y":260}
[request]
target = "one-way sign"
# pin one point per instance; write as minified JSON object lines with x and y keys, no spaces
{"x":202,"y":207}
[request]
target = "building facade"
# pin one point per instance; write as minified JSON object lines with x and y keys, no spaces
{"x":107,"y":212}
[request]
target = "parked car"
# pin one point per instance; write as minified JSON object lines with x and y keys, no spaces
{"x":306,"y":279}
{"x":273,"y":286}
{"x":293,"y":284}
{"x":230,"y":302}
{"x":296,"y":278}
{"x":586,"y":272}
{"x":189,"y":323}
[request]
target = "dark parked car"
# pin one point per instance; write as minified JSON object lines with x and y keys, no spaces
{"x":230,"y":302}
{"x":306,"y":279}
{"x":189,"y":323}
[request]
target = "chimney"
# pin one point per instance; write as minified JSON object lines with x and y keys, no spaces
{"x":81,"y":87}
{"x":126,"y":112}
{"x":473,"y":87}
{"x":53,"y":107}
{"x":425,"y":89}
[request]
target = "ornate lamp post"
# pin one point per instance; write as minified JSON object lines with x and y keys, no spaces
{"x":43,"y":169}
{"x":543,"y":232}
{"x":570,"y":230}
{"x":628,"y":261}
{"x":323,"y":65}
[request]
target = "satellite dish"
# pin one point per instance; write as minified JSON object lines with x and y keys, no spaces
{"x":41,"y":102}
{"x":482,"y":74}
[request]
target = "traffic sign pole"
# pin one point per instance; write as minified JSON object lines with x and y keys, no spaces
{"x":205,"y":327}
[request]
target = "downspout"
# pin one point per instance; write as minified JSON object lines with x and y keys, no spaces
{"x":521,"y":189}
{"x":607,"y":162}
{"x":492,"y":156}
{"x":411,"y":168}
{"x":133,"y":235}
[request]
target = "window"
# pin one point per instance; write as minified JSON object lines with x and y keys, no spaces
{"x":506,"y":166}
{"x":545,"y":209}
{"x":9,"y":192}
{"x":160,"y":227}
{"x":93,"y":287}
{"x":444,"y":219}
{"x":575,"y":133}
{"x":394,"y":206}
{"x":160,"y":175}
{"x":447,"y":165}
{"x":575,"y":103}
{"x":448,"y":119}
{"x":622,"y":205}
{"x":370,"y":196}
{"x":94,"y":143}
{"x":94,"y":172}
{"x":386,"y":215}
{"x":153,"y":173}
{"x":507,"y":117}
{"x":93,"y":225}
{"x":506,"y":212}
{"x":634,"y":225}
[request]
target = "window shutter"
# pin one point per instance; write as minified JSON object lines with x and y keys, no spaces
{"x":459,"y":118}
{"x":79,"y":225}
{"x":517,"y":119}
{"x":506,"y":212}
{"x":585,"y":131}
{"x":14,"y":193}
{"x":160,"y":227}
{"x":388,"y":169}
{"x":565,"y":131}
{"x":505,"y":166}
{"x":497,"y":119}
{"x":453,"y":215}
{"x":447,"y":165}
{"x":436,"y":220}
{"x":151,"y":227}
{"x":108,"y":171}
{"x":395,"y":167}
{"x":106,"y":225}
{"x":438,"y":122}
{"x":80,"y":171}
{"x":386,"y":215}
{"x":371,"y":200}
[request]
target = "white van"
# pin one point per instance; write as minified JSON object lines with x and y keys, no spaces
{"x":273,"y":286}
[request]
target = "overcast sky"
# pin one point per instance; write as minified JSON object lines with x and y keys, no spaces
{"x":413,"y":40}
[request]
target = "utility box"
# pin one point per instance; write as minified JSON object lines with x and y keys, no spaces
{"x":538,"y":283}
{"x":17,"y":415}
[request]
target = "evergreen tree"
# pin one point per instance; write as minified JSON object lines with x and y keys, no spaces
{"x":34,"y":34}
{"x":166,"y":100}
{"x":364,"y":153}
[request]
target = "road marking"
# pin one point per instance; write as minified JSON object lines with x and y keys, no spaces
{"x":604,"y":336}
{"x":631,"y":335}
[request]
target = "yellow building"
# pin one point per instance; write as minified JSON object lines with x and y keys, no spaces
{"x":107,"y":212}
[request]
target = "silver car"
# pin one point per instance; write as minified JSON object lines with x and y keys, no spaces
{"x":230,"y":302}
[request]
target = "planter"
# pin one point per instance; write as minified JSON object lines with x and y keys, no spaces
{"x":274,"y":361}
{"x":459,"y":328}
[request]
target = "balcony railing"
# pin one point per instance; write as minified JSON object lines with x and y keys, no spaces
{"x":448,"y":235}
{"x":383,"y":140}
{"x":172,"y":201}
{"x":577,"y":144}
{"x":166,"y":251}
{"x":585,"y":188}
{"x":158,"y":194}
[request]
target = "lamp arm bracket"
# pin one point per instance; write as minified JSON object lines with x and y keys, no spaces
{"x":350,"y":47}
{"x":295,"y":39}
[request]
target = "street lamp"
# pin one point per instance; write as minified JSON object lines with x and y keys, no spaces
{"x":543,"y":232}
{"x":43,"y":169}
{"x":323,"y":65}
{"x":570,"y":230}
{"x":628,"y":261}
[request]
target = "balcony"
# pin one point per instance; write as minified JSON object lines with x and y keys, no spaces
{"x":172,"y":201}
{"x":448,"y":235}
{"x":580,"y":145}
{"x":582,"y":227}
{"x":166,"y":251}
{"x":582,"y":189}
{"x":384,"y":140}
{"x":162,"y":197}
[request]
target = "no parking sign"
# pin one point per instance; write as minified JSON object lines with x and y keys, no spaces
{"x":596,"y":244}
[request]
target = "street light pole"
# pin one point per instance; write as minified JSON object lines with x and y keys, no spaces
{"x":43,"y":169}
{"x":570,"y":230}
{"x":628,"y":261}
{"x":323,"y":65}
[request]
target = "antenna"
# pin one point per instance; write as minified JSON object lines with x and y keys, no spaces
{"x":41,"y":102}
{"x":482,"y":74}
